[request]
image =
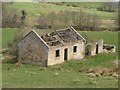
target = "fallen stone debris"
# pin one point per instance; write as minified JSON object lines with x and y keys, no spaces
{"x":98,"y":72}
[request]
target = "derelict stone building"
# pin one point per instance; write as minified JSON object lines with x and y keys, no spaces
{"x":54,"y":48}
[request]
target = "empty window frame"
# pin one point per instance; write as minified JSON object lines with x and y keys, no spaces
{"x":57,"y":53}
{"x":74,"y":49}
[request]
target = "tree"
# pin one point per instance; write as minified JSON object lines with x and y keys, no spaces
{"x":23,"y":17}
{"x":52,"y":17}
{"x":9,"y":16}
{"x":109,"y":7}
{"x":118,"y":22}
{"x":62,"y":19}
{"x":13,"y":45}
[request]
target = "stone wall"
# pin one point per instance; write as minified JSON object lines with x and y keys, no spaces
{"x":52,"y":59}
{"x":94,"y":47}
{"x":100,"y":46}
{"x":32,"y":50}
{"x":93,"y":50}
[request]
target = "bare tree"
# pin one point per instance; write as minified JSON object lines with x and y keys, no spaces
{"x":10,"y":18}
{"x":109,"y":6}
{"x":79,"y":20}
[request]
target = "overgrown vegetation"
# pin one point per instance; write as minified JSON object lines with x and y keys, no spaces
{"x":11,"y":18}
{"x":80,"y":20}
{"x":87,"y":9}
{"x":108,"y":37}
{"x":109,"y":7}
{"x":11,"y":42}
{"x":83,"y":16}
{"x":8,"y":34}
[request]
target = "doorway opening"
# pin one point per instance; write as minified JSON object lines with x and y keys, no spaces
{"x":96,"y":48}
{"x":65,"y":54}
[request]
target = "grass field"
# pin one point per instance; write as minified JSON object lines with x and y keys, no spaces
{"x":7,"y":36}
{"x":0,"y":38}
{"x":93,"y":5}
{"x":108,"y":37}
{"x":33,"y":9}
{"x":30,"y":76}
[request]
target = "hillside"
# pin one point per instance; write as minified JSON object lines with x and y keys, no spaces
{"x":68,"y":74}
{"x":34,"y":10}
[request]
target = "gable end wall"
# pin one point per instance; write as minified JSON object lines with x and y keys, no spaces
{"x":32,"y":50}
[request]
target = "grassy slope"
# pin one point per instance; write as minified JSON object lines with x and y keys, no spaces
{"x":0,"y":38}
{"x":30,"y":76}
{"x":94,"y":5}
{"x":7,"y":36}
{"x":108,"y":37}
{"x":35,"y":8}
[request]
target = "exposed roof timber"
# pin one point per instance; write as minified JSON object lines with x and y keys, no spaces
{"x":70,"y":36}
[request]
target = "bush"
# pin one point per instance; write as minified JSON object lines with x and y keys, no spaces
{"x":68,"y":5}
{"x":43,"y":26}
{"x":13,"y":48}
{"x":74,"y":5}
{"x":80,"y":20}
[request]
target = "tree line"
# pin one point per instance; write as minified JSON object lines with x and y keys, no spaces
{"x":11,"y":18}
{"x":78,"y":19}
{"x":109,"y":7}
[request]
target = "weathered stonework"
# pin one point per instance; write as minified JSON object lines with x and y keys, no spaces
{"x":32,"y":50}
{"x":57,"y":47}
{"x":71,"y":55}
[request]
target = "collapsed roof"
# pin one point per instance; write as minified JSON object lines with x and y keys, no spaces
{"x":62,"y":36}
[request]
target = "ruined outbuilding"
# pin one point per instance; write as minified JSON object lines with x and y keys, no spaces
{"x":56,"y":47}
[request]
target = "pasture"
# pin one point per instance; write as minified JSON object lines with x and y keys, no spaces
{"x":34,"y":9}
{"x":8,"y":35}
{"x":66,"y":74}
{"x":33,"y":77}
{"x":108,"y":37}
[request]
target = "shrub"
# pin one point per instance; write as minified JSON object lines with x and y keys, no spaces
{"x":74,"y":5}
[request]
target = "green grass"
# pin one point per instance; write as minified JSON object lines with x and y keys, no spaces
{"x":36,"y":8}
{"x":93,"y":5}
{"x":108,"y":37}
{"x":0,"y":38}
{"x":30,"y":76}
{"x":8,"y":35}
{"x":102,"y":14}
{"x":102,"y":60}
